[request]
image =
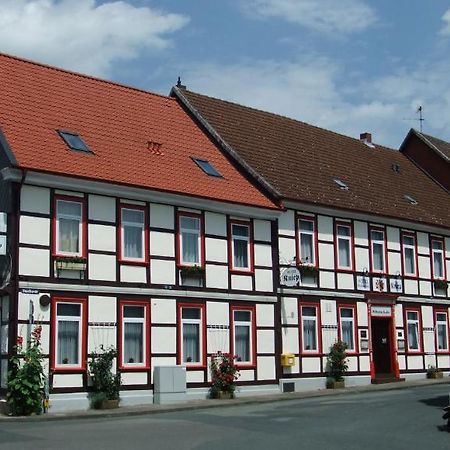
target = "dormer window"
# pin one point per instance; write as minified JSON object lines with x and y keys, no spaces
{"x":410,"y":200}
{"x":341,"y":184}
{"x":207,"y":167}
{"x":74,"y":141}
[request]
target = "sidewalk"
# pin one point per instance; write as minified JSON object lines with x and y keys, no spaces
{"x":205,"y":404}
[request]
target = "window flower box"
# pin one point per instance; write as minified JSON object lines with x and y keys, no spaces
{"x":441,"y":285}
{"x":70,"y":264}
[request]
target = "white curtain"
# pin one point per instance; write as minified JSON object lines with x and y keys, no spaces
{"x":409,"y":260}
{"x":309,"y":334}
{"x":242,"y":342}
{"x":413,"y":336}
{"x":190,"y":247}
{"x":344,"y":253}
{"x":437,"y":265}
{"x":240,"y":253}
{"x":133,"y":342}
{"x":442,"y":336}
{"x":306,"y":248}
{"x":378,"y":257}
{"x":133,"y":224}
{"x":347,"y":333}
{"x":191,"y":342}
{"x":68,"y":342}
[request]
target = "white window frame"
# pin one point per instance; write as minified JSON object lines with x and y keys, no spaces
{"x":136,"y":225}
{"x":416,"y":322}
{"x":241,"y":238}
{"x":442,"y":322}
{"x":378,"y":242}
{"x":78,"y":319}
{"x":80,"y":219}
{"x":352,"y":320}
{"x":198,"y":322}
{"x":411,"y":247}
{"x":190,"y":231}
{"x":309,"y":233}
{"x":348,"y":239}
{"x":442,"y":256}
{"x":316,"y":321}
{"x":143,"y":321}
{"x":242,"y":323}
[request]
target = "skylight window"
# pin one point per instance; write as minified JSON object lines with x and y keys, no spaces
{"x":207,"y":167}
{"x":341,"y":184}
{"x":410,"y":199}
{"x":74,"y":141}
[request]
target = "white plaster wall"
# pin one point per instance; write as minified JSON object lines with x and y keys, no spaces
{"x":395,"y":263}
{"x":428,"y":322}
{"x":102,"y":237}
{"x":401,"y":362}
{"x":286,"y":223}
{"x":34,"y":262}
{"x":217,"y":276}
{"x":415,"y":362}
{"x":447,"y":247}
{"x":393,"y":238}
{"x":163,"y":310}
{"x":364,"y":363}
{"x":326,"y":256}
{"x":216,"y":250}
{"x":34,"y":230}
{"x":287,"y":250}
{"x":362,"y":313}
{"x":329,"y":317}
{"x":163,"y":339}
{"x":162,"y":244}
{"x":265,"y":341}
{"x":70,"y":193}
{"x":102,"y":208}
{"x":217,"y":313}
{"x":162,"y":216}
{"x":362,"y":259}
{"x":325,"y":228}
{"x":352,"y":362}
{"x":40,"y":313}
{"x":99,"y":336}
{"x":215,"y":224}
{"x":345,"y":281}
{"x":35,"y":199}
{"x":424,"y":267}
{"x":327,"y":280}
{"x":162,"y":272}
{"x":311,"y":365}
{"x":423,"y":243}
{"x":266,"y":367}
{"x":67,"y":380}
{"x":264,"y":315}
{"x":102,"y":267}
{"x":443,"y":361}
{"x":262,"y":230}
{"x":361,"y":233}
{"x":263,"y":255}
{"x":263,"y":280}
{"x":134,"y":378}
{"x":163,"y":361}
{"x":133,"y":274}
{"x":246,"y":375}
{"x":425,"y":288}
{"x":290,"y":340}
{"x":411,"y":287}
{"x":289,"y":311}
{"x":399,"y":315}
{"x":295,"y":369}
{"x":241,"y":282}
{"x":102,"y":309}
{"x":195,"y":376}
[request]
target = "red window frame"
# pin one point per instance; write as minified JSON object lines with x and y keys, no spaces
{"x":203,"y":360}
{"x":147,"y":331}
{"x":436,"y":312}
{"x":355,"y":326}
{"x":240,"y":364}
{"x":351,"y":239}
{"x":199,"y":216}
{"x":145,"y":259}
{"x":83,"y":237}
{"x":412,"y":235}
{"x":313,"y":220}
{"x":444,"y":263}
{"x":250,"y":247}
{"x":386,"y":263}
{"x":81,"y":367}
{"x":318,"y":351}
{"x":419,"y":350}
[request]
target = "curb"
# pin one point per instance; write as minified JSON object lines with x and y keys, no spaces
{"x":194,"y":405}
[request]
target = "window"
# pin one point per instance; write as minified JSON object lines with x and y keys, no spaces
{"x":69,"y":226}
{"x":207,"y":167}
{"x":307,"y":241}
{"x":74,"y":141}
{"x":378,"y":250}
{"x":441,"y":328}
{"x":344,"y":246}
{"x":341,"y":184}
{"x":309,"y":328}
{"x":190,"y":240}
{"x":242,"y":343}
{"x":241,"y":248}
{"x":347,"y":325}
{"x":192,"y":350}
{"x":133,"y":233}
{"x":134,"y":334}
{"x":412,"y":321}
{"x":68,"y":334}
{"x":409,"y":254}
{"x":437,"y":259}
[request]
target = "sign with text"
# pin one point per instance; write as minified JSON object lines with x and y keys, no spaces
{"x":290,"y":277}
{"x":380,"y":311}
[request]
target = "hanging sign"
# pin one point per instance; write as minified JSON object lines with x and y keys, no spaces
{"x":290,"y":276}
{"x":380,"y":311}
{"x":363,"y":283}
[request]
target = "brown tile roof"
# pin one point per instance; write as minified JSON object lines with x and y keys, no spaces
{"x":301,"y":161}
{"x":441,"y":146}
{"x":116,"y":122}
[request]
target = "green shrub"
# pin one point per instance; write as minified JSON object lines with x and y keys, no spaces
{"x":336,"y":361}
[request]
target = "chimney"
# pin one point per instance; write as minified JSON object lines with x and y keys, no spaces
{"x":179,"y":85}
{"x":366,"y":138}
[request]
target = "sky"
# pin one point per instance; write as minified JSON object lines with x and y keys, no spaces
{"x":350,"y":66}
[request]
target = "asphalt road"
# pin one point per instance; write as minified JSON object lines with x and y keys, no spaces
{"x":390,"y":420}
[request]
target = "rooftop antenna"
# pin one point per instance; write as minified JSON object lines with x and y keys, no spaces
{"x":419,"y":111}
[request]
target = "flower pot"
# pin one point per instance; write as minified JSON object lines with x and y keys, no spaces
{"x":225,"y":395}
{"x":109,"y":404}
{"x":70,"y":265}
{"x":435,"y":375}
{"x":333,"y":384}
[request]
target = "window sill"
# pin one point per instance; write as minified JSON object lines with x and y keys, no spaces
{"x":62,"y":369}
{"x":125,"y":368}
{"x":130,"y":262}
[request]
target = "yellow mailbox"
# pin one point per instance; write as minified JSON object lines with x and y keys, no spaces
{"x":288,"y":360}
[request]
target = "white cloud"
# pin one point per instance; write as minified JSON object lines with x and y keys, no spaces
{"x":446,"y":28}
{"x":83,"y":35}
{"x":330,"y":16}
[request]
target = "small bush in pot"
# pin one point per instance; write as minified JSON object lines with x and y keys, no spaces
{"x":337,"y":364}
{"x":224,"y":374}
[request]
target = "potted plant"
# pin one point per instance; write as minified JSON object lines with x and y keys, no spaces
{"x":337,"y":365}
{"x":224,"y":374}
{"x":434,"y":373}
{"x":192,"y":275}
{"x":106,"y":385}
{"x":70,"y":263}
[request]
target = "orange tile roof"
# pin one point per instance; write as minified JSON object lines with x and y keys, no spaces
{"x":117,"y":122}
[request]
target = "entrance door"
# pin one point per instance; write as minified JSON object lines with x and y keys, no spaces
{"x":381,"y":346}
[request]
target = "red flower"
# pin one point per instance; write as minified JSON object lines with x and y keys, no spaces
{"x":19,"y":340}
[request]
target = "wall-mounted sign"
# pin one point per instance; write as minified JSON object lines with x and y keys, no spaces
{"x":363,"y":283}
{"x":3,"y":222}
{"x":380,"y":311}
{"x":380,"y":284}
{"x":395,"y":285}
{"x":290,"y":276}
{"x":2,"y":244}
